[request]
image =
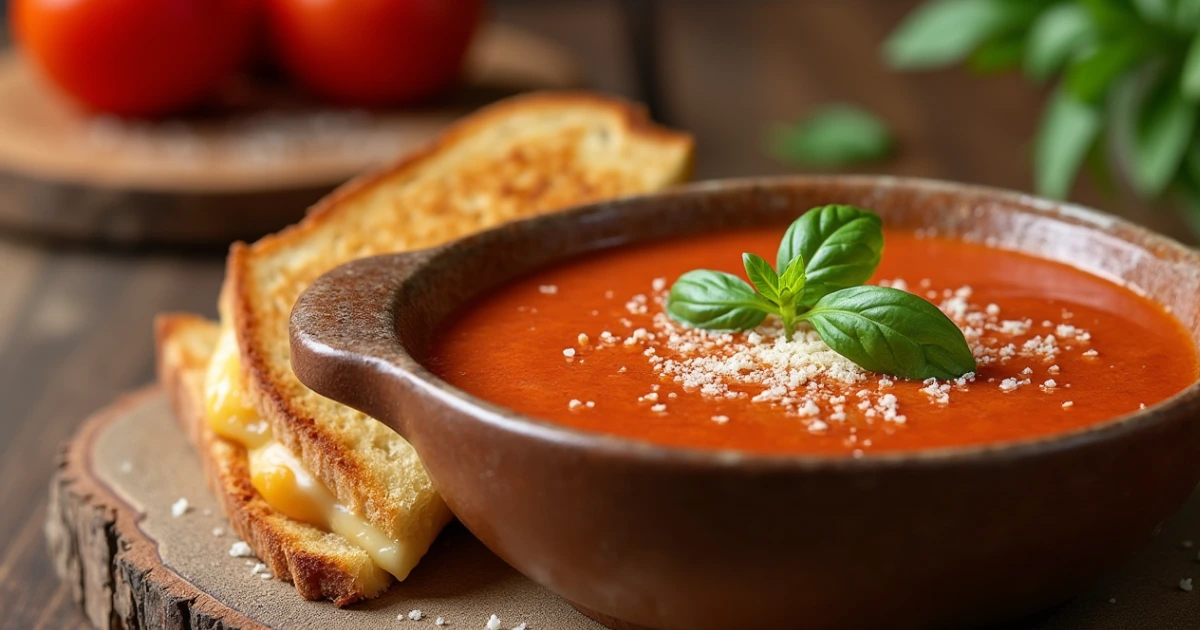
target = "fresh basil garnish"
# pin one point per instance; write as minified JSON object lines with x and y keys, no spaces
{"x":715,"y":300}
{"x":842,"y":246}
{"x":891,"y":331}
{"x":822,"y":262}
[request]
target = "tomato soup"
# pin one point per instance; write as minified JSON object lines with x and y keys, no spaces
{"x":586,"y":344}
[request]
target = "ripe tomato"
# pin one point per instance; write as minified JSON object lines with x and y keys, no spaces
{"x":373,"y":52}
{"x":135,"y":57}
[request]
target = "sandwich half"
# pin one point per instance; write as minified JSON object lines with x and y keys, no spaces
{"x":328,"y":497}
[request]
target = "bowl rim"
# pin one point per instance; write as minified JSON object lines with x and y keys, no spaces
{"x":1180,"y":407}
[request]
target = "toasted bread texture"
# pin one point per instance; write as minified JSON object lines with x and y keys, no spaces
{"x":321,"y":565}
{"x":521,"y":157}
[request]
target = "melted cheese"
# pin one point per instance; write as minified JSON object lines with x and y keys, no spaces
{"x":281,"y":478}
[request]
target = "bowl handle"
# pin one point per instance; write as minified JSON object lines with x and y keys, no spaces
{"x":343,"y":336}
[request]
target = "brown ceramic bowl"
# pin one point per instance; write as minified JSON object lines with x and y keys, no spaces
{"x":639,"y":535}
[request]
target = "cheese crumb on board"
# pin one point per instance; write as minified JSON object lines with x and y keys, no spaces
{"x":439,"y":621}
{"x":1185,"y":585}
{"x":179,"y":508}
{"x":240,"y":549}
{"x":218,"y":531}
{"x":493,"y":623}
{"x":415,"y":615}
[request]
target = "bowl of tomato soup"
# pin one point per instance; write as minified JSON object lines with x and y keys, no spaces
{"x":662,"y":476}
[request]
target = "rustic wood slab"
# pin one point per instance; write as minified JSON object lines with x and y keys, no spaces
{"x":131,"y":564}
{"x":250,"y":163}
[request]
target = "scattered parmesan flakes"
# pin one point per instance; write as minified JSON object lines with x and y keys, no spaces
{"x":1014,"y":327}
{"x":1053,"y":369}
{"x":817,"y":426}
{"x":179,"y":508}
{"x":622,"y":370}
{"x":1112,"y":600}
{"x":651,"y":397}
{"x":1009,"y":384}
{"x":439,"y":621}
{"x":583,"y":339}
{"x":1091,"y":353}
{"x":493,"y":623}
{"x":218,"y":531}
{"x":1187,"y":544}
{"x":993,"y":309}
{"x":521,"y":626}
{"x":1050,"y":383}
{"x":1068,"y":404}
{"x":548,"y":289}
{"x":720,"y":419}
{"x":258,"y":568}
{"x":658,"y":284}
{"x":608,"y":295}
{"x":1141,"y":405}
{"x":240,"y":549}
{"x":659,"y":408}
{"x":569,"y":352}
{"x":1185,"y":585}
{"x":1065,"y":330}
{"x":590,"y":404}
{"x":574,"y":403}
{"x":415,"y":615}
{"x":1027,"y":371}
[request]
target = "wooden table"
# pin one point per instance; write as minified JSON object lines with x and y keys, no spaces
{"x":75,"y":323}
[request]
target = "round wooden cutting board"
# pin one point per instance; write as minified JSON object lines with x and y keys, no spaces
{"x":250,"y":165}
{"x":132,"y":564}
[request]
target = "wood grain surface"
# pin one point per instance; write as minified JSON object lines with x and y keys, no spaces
{"x":75,"y":323}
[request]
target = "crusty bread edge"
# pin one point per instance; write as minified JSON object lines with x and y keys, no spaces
{"x":235,"y":293}
{"x":315,"y":576}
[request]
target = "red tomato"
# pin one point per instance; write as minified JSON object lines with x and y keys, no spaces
{"x":373,"y":52}
{"x":135,"y":57}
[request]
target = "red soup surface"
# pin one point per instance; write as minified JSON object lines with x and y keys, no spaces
{"x":586,"y":344}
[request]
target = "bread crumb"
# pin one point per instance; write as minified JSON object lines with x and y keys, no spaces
{"x":583,"y":339}
{"x":493,"y":623}
{"x":179,"y":508}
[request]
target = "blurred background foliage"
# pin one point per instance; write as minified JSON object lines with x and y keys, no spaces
{"x":1126,"y":77}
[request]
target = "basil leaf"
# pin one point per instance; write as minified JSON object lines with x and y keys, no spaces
{"x":1068,"y":129}
{"x":944,"y":32}
{"x":762,"y":276}
{"x":715,"y":300}
{"x":841,"y":247}
{"x":835,"y":135}
{"x":890,"y":331}
{"x":1191,"y":71}
{"x":1089,"y":77}
{"x":793,"y":279}
{"x":1164,"y":130}
{"x":1060,"y":33}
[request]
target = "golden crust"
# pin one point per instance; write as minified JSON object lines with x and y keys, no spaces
{"x":524,"y":156}
{"x":321,"y":565}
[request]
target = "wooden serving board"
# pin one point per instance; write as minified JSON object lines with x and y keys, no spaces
{"x":131,"y":564}
{"x":249,"y":164}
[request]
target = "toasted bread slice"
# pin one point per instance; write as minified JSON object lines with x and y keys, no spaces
{"x":518,"y":158}
{"x":321,"y":565}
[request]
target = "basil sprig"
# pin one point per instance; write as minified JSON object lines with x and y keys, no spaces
{"x":824,"y":258}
